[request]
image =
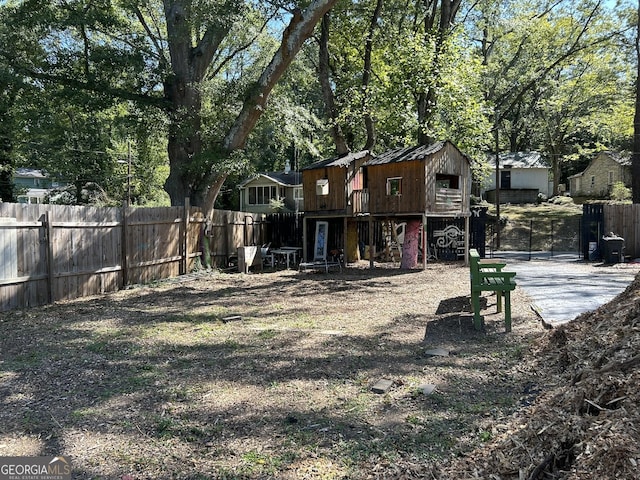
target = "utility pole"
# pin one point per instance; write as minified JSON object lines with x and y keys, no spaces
{"x":495,"y":132}
{"x":128,"y":173}
{"x":128,"y":162}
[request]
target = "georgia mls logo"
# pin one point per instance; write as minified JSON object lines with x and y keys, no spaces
{"x":35,"y":468}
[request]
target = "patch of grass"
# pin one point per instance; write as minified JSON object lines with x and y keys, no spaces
{"x":268,"y":334}
{"x":546,"y":210}
{"x":30,"y":359}
{"x":261,"y":463}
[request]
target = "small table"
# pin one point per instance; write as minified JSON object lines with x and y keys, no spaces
{"x":288,"y":252}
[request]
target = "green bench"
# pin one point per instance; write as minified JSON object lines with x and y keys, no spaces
{"x":487,"y":276}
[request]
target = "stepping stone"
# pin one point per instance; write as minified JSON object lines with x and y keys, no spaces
{"x":382,"y":385}
{"x":437,"y":352}
{"x":427,"y":389}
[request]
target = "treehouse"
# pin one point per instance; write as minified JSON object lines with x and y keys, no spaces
{"x":425,"y":185}
{"x":402,"y":185}
{"x":333,"y":187}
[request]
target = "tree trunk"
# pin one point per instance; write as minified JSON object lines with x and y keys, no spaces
{"x":189,"y":65}
{"x":411,"y":244}
{"x":366,"y":77}
{"x":184,"y":143}
{"x":339,"y":139}
{"x":635,"y":157}
{"x":427,"y":100}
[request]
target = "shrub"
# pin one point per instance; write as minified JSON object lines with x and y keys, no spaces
{"x":620,"y":192}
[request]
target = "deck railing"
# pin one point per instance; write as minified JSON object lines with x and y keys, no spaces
{"x":448,"y":200}
{"x":360,"y":201}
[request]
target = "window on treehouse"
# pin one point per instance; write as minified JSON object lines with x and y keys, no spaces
{"x":394,"y":186}
{"x":322,"y":187}
{"x":447,"y":181}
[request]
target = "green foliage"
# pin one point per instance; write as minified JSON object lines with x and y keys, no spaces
{"x":85,"y":83}
{"x":620,"y":192}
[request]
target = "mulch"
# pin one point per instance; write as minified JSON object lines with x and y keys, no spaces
{"x":584,"y":421}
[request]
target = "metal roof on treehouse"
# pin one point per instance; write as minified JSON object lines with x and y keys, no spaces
{"x":340,"y":161}
{"x":406,"y":154}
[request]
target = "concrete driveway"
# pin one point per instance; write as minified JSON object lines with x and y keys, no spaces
{"x":563,"y":286}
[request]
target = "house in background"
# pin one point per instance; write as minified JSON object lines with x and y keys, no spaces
{"x":523,"y":175}
{"x":32,"y":185}
{"x":265,"y":190}
{"x":605,"y":170}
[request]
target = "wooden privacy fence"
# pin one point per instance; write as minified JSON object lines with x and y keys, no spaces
{"x":56,"y":252}
{"x":624,"y":221}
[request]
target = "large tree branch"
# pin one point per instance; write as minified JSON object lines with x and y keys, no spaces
{"x":98,"y":88}
{"x":221,"y":63}
{"x":297,"y":32}
{"x":152,"y":38}
{"x":572,"y":50}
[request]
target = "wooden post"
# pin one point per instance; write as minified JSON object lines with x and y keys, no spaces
{"x":372,"y":250}
{"x":184,"y":237}
{"x":467,"y":223}
{"x":50,"y":253}
{"x":226,"y":233}
{"x":425,"y":253}
{"x":304,"y":239}
{"x":125,"y":241}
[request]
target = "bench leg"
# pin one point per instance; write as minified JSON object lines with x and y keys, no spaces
{"x":507,"y":311}
{"x":499,"y":302}
{"x":477,"y":318}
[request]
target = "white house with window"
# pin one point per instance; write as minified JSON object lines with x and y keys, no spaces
{"x":523,"y":176}
{"x":271,"y":192}
{"x":32,"y":185}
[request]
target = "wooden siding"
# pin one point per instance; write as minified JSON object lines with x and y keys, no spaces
{"x":449,"y":161}
{"x":66,"y":252}
{"x":336,"y":200}
{"x":420,"y":193}
{"x":412,"y":197}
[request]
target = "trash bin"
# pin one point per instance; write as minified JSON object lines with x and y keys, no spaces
{"x":613,"y":249}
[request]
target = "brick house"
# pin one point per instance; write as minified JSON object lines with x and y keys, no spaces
{"x":604,"y":171}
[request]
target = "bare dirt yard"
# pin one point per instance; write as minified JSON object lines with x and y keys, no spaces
{"x":230,"y":376}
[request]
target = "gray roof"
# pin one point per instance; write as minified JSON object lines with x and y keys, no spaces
{"x":340,"y":161}
{"x":29,"y":173}
{"x":407,"y":154}
{"x":621,"y":158}
{"x":519,"y":160}
{"x":290,"y":179}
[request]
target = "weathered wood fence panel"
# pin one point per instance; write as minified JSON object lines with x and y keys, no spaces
{"x":85,"y":258}
{"x":55,"y":252}
{"x":230,"y":230}
{"x":624,"y":221}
